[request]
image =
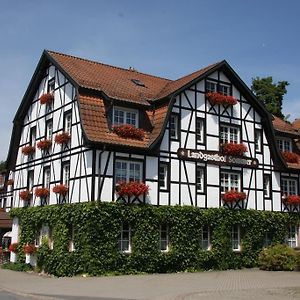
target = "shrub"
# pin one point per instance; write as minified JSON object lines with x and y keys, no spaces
{"x":278,"y":258}
{"x":17,"y":267}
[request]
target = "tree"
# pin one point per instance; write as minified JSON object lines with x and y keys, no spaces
{"x":271,"y":94}
{"x":2,"y":165}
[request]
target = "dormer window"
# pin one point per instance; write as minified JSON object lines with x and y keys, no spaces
{"x":224,"y":89}
{"x":123,"y":116}
{"x":284,"y":144}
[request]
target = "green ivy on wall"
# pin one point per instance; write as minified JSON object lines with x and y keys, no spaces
{"x":96,"y":227}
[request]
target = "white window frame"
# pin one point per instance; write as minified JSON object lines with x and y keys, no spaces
{"x":200,"y":180}
{"x":211,"y":86}
{"x":163,"y":176}
{"x":200,"y":130}
{"x":66,"y":173}
{"x":224,"y":89}
{"x":230,"y":181}
{"x":128,"y":174}
{"x":205,"y":240}
{"x":126,"y":111}
{"x":292,"y":239}
{"x":122,"y":240}
{"x":68,"y":122}
{"x":289,"y":186}
{"x":267,"y":240}
{"x":72,"y":240}
{"x":267,"y":185}
{"x":235,"y":238}
{"x":164,"y":240}
{"x":49,"y":129}
{"x":258,"y":140}
{"x":284,"y":144}
{"x":229,"y":134}
{"x":174,"y":126}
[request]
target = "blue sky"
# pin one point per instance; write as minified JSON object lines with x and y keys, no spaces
{"x":164,"y":38}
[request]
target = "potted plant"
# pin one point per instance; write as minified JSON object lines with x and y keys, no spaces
{"x":234,"y":149}
{"x":28,"y":150}
{"x":46,"y":98}
{"x":129,"y":132}
{"x":291,"y":199}
{"x":132,"y":188}
{"x":60,"y":189}
{"x":44,"y":144}
{"x":42,"y":192}
{"x":217,"y":98}
{"x":29,"y":249}
{"x":233,"y":196}
{"x":25,"y":195}
{"x":62,"y":138}
{"x":13,"y":247}
{"x":290,"y":157}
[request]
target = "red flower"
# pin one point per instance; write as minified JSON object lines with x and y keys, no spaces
{"x":132,"y":188}
{"x":129,"y":131}
{"x":44,"y":144}
{"x":25,"y":195}
{"x":28,"y":150}
{"x":233,"y":196}
{"x":60,"y":189}
{"x":13,"y":247}
{"x":42,"y":192}
{"x":62,"y":138}
{"x":234,"y":149}
{"x":29,"y":248}
{"x":219,"y":98}
{"x":290,"y":157}
{"x":46,"y":98}
{"x":292,"y":199}
{"x":10,"y":182}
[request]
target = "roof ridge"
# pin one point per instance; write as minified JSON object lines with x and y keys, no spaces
{"x":108,"y":65}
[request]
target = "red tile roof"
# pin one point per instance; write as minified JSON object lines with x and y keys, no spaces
{"x":283,"y":126}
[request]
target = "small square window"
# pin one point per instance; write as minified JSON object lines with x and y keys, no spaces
{"x":211,"y":86}
{"x":224,"y":89}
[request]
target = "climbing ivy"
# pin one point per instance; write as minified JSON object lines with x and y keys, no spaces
{"x":96,"y":227}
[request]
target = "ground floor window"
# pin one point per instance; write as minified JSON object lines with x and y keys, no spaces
{"x":205,"y":241}
{"x":289,"y":186}
{"x":164,"y":237}
{"x":126,"y":171}
{"x":236,"y":238}
{"x":230,"y":181}
{"x":124,"y":240}
{"x":292,"y":237}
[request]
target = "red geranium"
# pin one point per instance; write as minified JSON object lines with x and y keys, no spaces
{"x":290,"y":157}
{"x":28,"y":150}
{"x":292,"y":199}
{"x":44,"y":144}
{"x":129,"y":131}
{"x":233,"y":196}
{"x":13,"y":247}
{"x":60,"y":189}
{"x":234,"y":149}
{"x":62,"y":138}
{"x":25,"y":195}
{"x":46,"y":98}
{"x":132,"y":188}
{"x":219,"y":98}
{"x":29,"y":248}
{"x":42,"y":192}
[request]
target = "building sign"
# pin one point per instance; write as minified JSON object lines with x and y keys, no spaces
{"x":216,"y":158}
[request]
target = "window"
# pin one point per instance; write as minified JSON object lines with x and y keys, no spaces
{"x":230,"y":181}
{"x":267,"y":240}
{"x":46,"y":184}
{"x":49,"y":130}
{"x":200,"y":173}
{"x":68,"y":122}
{"x":126,"y":171}
{"x":123,"y":116}
{"x":30,"y":180}
{"x":267,"y":185}
{"x":66,"y":173}
{"x":292,"y":237}
{"x":235,"y":238}
{"x":205,"y":241}
{"x":200,"y":131}
{"x":72,"y":239}
{"x":51,"y":85}
{"x":211,"y":86}
{"x":32,"y":137}
{"x":288,"y":187}
{"x":224,"y":89}
{"x":284,"y":144}
{"x":174,"y":127}
{"x":163,"y":176}
{"x":164,"y":237}
{"x":124,"y":240}
{"x":258,"y":140}
{"x":229,"y":134}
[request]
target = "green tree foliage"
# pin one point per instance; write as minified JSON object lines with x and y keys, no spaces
{"x":271,"y":94}
{"x":2,"y":165}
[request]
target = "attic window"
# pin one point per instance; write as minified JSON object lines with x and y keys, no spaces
{"x":138,"y":82}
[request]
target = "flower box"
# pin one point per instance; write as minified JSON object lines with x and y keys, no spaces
{"x":29,"y":249}
{"x":233,"y":196}
{"x":44,"y":144}
{"x":234,"y":149}
{"x":13,"y":247}
{"x":216,"y":98}
{"x":28,"y":150}
{"x":128,"y":131}
{"x":62,"y":138}
{"x":25,"y":195}
{"x":10,"y":182}
{"x":42,"y":192}
{"x":46,"y":98}
{"x":132,"y":188}
{"x":291,"y":199}
{"x":290,"y":157}
{"x":60,"y":189}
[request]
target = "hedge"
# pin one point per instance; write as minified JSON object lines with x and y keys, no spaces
{"x":97,"y":226}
